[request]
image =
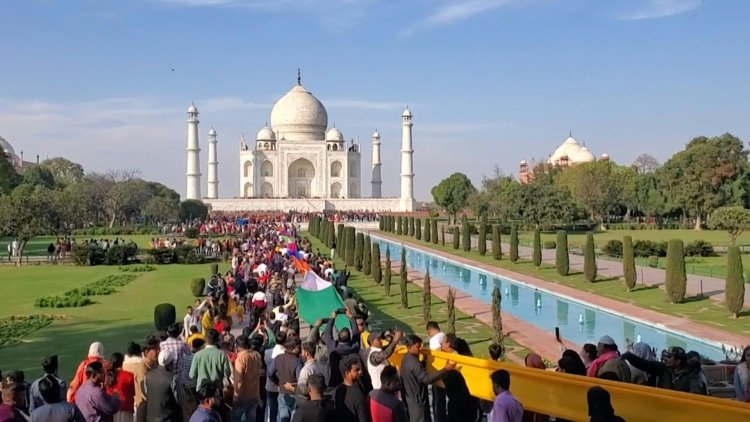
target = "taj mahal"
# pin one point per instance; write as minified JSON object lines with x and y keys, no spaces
{"x":299,"y":163}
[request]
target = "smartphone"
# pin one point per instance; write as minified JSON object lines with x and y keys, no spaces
{"x":341,"y":311}
{"x":557,"y":333}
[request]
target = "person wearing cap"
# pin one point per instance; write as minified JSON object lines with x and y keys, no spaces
{"x":49,"y":366}
{"x":608,"y":360}
{"x":377,"y":357}
{"x":96,"y":354}
{"x":672,"y":373}
{"x":163,"y":395}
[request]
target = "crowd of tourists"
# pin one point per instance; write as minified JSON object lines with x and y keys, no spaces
{"x":241,"y":353}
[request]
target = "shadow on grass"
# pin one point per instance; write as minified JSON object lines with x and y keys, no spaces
{"x":605,"y":279}
{"x":643,"y":288}
{"x":696,"y":298}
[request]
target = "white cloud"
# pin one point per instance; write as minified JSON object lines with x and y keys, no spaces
{"x":653,"y":9}
{"x":454,"y":11}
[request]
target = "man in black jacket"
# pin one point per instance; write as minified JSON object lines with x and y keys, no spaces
{"x":416,"y":379}
{"x":673,"y":373}
{"x":347,"y":344}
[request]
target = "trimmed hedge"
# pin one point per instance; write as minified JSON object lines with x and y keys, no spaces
{"x":589,"y":259}
{"x":628,"y":263}
{"x":198,"y":286}
{"x":537,"y":255}
{"x":14,"y":328}
{"x":184,"y":254}
{"x":82,"y":296}
{"x":165,"y":315}
{"x":675,"y":282}
{"x":562,"y":259}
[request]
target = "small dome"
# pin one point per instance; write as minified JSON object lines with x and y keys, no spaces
{"x":192,"y":109}
{"x":299,"y":115}
{"x":376,"y":135}
{"x":407,"y":113}
{"x":265,"y":134}
{"x":334,"y":135}
{"x":523,"y":162}
{"x":605,"y":156}
{"x":568,"y":148}
{"x":583,"y":156}
{"x":6,"y":147}
{"x":212,"y":132}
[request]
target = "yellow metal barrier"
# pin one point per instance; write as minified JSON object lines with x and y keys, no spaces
{"x":564,"y":395}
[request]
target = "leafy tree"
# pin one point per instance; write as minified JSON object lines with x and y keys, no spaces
{"x":192,"y":209}
{"x":466,"y":233}
{"x":366,"y":250}
{"x":646,"y":163}
{"x":628,"y":262}
{"x":359,"y":246}
{"x":26,"y":216}
{"x":426,"y":298}
{"x":497,"y":316}
{"x":451,"y":305}
{"x":426,"y":234}
{"x":735,"y":220}
{"x":452,"y":193}
{"x":160,"y":209}
{"x":434,"y":231}
{"x":734,"y":296}
{"x":39,"y":176}
{"x":676,"y":278}
{"x":596,"y":186}
{"x":456,"y":237}
{"x":387,"y":272}
{"x":9,"y":178}
{"x":377,"y":272}
{"x":589,"y":259}
{"x":562,"y":260}
{"x":482,"y":246}
{"x":350,"y":245}
{"x":537,"y":254}
{"x":514,"y":243}
{"x":418,"y":229}
{"x":64,"y":172}
{"x":497,"y":249}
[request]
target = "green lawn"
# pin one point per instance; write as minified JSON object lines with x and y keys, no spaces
{"x":114,"y":320}
{"x":701,"y":310}
{"x":387,"y":311}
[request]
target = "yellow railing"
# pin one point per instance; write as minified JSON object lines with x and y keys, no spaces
{"x":564,"y":395}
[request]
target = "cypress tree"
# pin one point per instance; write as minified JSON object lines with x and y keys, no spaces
{"x":451,"y":305}
{"x":466,"y":233}
{"x":359,"y":246}
{"x":628,"y":262}
{"x":340,"y":238}
{"x":322,"y":233}
{"x":366,"y":267}
{"x":387,"y":272}
{"x":377,"y":273}
{"x":456,"y":237}
{"x":434,"y":231}
{"x":676,"y":280}
{"x":411,"y":226}
{"x":562,"y":260}
{"x":734,"y":291}
{"x":350,"y":246}
{"x":589,"y":259}
{"x":418,"y":229}
{"x":331,"y":235}
{"x":482,"y":246}
{"x":497,"y":317}
{"x":514,"y":244}
{"x":426,"y":298}
{"x":380,"y":223}
{"x":399,"y":229}
{"x":497,"y":251}
{"x":537,"y":256}
{"x":402,"y":284}
{"x":393,"y":224}
{"x":402,"y":268}
{"x":426,"y":234}
{"x":311,"y":226}
{"x":442,"y":234}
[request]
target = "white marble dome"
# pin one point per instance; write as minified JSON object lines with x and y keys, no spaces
{"x":6,"y":147}
{"x":298,"y":115}
{"x":334,"y":135}
{"x":567,"y":149}
{"x":376,"y":135}
{"x":192,"y":108}
{"x":583,"y":156}
{"x":265,"y":134}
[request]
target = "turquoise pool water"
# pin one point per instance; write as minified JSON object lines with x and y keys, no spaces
{"x":578,"y":322}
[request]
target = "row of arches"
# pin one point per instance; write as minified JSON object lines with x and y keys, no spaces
{"x":266,"y":169}
{"x":301,"y":178}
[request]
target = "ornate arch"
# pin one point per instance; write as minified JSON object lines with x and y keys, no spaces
{"x":301,"y":174}
{"x":336,"y":169}
{"x":248,"y":169}
{"x":336,"y":190}
{"x":266,"y":190}
{"x":266,"y":169}
{"x":248,"y":190}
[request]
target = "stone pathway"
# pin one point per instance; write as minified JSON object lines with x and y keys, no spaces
{"x":709,"y":286}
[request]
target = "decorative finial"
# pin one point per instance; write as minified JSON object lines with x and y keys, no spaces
{"x":570,"y":134}
{"x":299,"y":77}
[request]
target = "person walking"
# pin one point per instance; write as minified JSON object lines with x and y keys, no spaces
{"x":93,"y":402}
{"x":248,"y":368}
{"x":506,"y":407}
{"x":163,"y":390}
{"x":284,"y":372}
{"x":416,"y":380}
{"x":211,"y":364}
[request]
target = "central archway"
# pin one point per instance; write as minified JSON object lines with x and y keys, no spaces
{"x":301,"y":175}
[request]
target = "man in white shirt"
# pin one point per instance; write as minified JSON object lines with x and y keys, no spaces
{"x":187,"y":321}
{"x":437,"y":338}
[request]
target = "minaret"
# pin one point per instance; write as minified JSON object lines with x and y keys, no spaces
{"x":213,"y":167}
{"x":376,"y":181}
{"x":193,"y":172}
{"x":407,"y":164}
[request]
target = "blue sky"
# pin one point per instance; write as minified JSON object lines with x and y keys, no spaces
{"x":490,"y":82}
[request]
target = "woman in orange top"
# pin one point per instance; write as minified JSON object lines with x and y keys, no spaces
{"x":96,"y":354}
{"x":123,"y":383}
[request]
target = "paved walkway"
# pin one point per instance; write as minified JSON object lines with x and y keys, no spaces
{"x":651,"y":317}
{"x":696,"y":284}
